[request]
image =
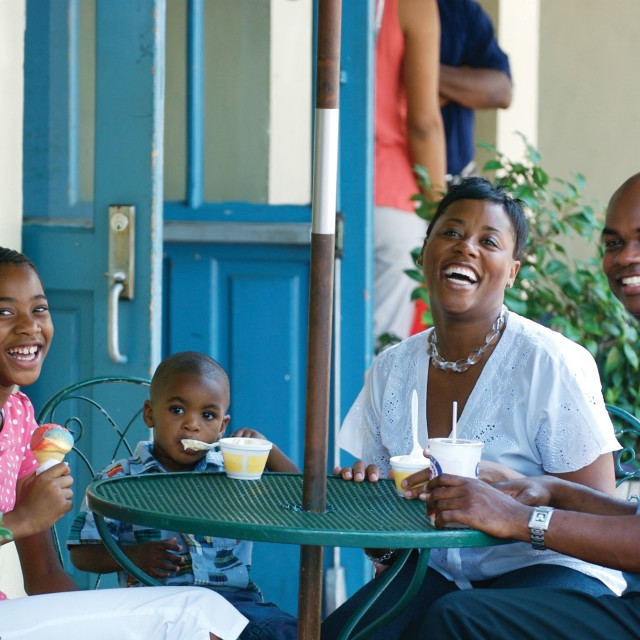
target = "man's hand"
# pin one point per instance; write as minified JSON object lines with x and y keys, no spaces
{"x":469,"y":501}
{"x":534,"y":491}
{"x":493,"y":472}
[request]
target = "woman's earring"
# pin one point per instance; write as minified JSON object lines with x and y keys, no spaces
{"x":419,"y":261}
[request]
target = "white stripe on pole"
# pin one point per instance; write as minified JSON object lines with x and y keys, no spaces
{"x":325,"y":173}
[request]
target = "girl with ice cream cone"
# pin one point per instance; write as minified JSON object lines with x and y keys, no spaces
{"x":31,"y":503}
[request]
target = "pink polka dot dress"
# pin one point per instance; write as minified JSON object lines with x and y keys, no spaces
{"x":16,"y":459}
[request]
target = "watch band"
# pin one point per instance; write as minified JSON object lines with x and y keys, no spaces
{"x":538,"y":524}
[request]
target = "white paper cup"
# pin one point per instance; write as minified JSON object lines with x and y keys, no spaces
{"x":405,"y":466}
{"x":245,"y":458}
{"x":461,"y":458}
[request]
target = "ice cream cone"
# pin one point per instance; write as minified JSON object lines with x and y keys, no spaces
{"x":50,"y":443}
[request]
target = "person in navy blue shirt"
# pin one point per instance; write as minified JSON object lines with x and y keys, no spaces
{"x":474,"y":74}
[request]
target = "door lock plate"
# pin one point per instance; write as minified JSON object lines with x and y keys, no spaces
{"x":121,"y":247}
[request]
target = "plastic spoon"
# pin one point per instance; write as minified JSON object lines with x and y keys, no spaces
{"x":416,"y":452}
{"x":198,"y":445}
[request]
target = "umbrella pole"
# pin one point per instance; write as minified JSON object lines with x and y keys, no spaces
{"x":323,"y":223}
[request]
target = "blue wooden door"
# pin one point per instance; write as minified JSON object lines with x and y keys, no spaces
{"x":222,"y":261}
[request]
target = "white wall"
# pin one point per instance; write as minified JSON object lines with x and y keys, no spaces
{"x":589,"y":91}
{"x":12,"y":25}
{"x":290,"y":113}
{"x":518,"y":35}
{"x":516,"y":26}
{"x":576,"y":92}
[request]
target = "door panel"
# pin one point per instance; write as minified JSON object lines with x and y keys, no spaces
{"x":68,"y":239}
{"x":245,"y":305}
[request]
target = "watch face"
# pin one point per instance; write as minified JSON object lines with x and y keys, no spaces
{"x":538,"y":524}
{"x":539,"y":517}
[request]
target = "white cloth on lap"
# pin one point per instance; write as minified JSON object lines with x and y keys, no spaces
{"x":149,"y":613}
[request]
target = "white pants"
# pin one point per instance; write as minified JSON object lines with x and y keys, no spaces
{"x":397,"y":233}
{"x":142,"y":613}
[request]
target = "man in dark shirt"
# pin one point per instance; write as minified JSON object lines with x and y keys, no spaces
{"x":474,"y":74}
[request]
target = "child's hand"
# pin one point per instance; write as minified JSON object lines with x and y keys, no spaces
{"x":247,"y":433}
{"x":276,"y":461}
{"x":159,"y":559}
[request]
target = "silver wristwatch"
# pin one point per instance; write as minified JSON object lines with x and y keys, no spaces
{"x":538,"y":524}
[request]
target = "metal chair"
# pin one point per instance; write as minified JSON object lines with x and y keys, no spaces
{"x":104,"y":414}
{"x":627,"y":464}
{"x":627,"y":430}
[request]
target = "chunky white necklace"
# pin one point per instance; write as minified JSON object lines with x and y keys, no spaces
{"x":460,"y":366}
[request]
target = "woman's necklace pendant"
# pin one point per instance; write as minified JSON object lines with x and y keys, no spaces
{"x":462,"y":365}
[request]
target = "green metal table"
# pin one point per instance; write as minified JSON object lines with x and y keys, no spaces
{"x":270,"y":510}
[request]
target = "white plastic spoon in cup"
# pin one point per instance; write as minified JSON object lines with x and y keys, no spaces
{"x":416,"y":452}
{"x":405,"y":466}
{"x":198,"y":445}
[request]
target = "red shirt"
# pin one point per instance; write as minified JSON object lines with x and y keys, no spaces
{"x":395,"y":181}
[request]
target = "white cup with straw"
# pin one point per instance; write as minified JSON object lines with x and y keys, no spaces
{"x":455,"y":455}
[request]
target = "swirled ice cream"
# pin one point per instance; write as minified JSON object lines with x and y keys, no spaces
{"x":50,"y":443}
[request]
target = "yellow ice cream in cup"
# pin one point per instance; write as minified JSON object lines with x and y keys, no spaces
{"x":405,"y":466}
{"x":245,"y":458}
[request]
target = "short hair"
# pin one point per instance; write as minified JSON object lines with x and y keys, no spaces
{"x":477,"y":188}
{"x":190,"y":362}
{"x":629,"y":182}
{"x":15,"y":258}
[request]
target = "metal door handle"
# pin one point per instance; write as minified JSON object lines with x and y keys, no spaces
{"x":121,"y":271}
{"x":116,"y":286}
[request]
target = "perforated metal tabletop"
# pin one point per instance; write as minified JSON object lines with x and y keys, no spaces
{"x":270,"y":510}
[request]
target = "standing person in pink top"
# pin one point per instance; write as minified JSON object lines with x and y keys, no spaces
{"x":408,"y":132}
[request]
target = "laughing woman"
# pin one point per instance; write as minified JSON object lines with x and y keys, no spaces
{"x":530,"y":395}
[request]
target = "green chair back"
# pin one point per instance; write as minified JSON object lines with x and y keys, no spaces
{"x":627,"y":430}
{"x":104,"y":414}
